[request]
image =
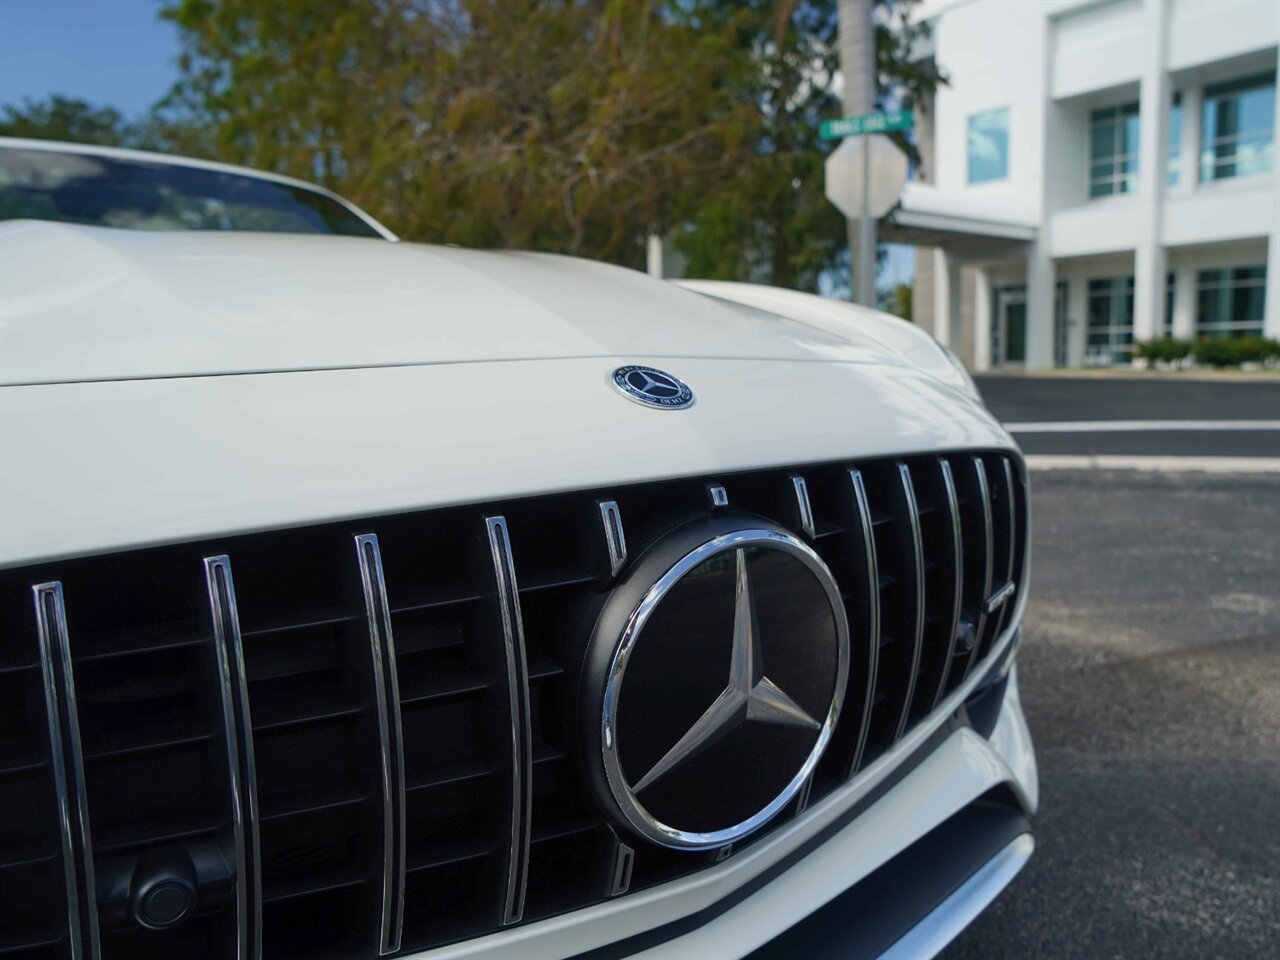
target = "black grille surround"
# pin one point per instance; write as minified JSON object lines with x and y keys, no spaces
{"x":362,"y":738}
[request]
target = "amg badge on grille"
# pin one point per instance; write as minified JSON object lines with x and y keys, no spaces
{"x":713,"y":681}
{"x":651,"y":387}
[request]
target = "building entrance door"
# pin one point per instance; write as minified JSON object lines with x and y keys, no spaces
{"x":1009,"y":332}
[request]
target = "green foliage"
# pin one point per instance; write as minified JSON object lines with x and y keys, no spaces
{"x":1257,"y":349}
{"x":576,"y":126}
{"x":68,"y":119}
{"x":765,"y":217}
{"x":1233,"y":351}
{"x":897,"y":300}
{"x":76,"y":121}
{"x":1166,"y":349}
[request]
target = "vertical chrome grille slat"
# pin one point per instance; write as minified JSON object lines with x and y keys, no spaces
{"x":622,"y":860}
{"x":913,"y":520}
{"x":804,"y":510}
{"x":67,"y":760}
{"x":521,"y":740}
{"x":988,"y":547}
{"x":802,"y":797}
{"x":238,"y":729}
{"x":957,"y":544}
{"x":1009,"y":586}
{"x":614,"y":537}
{"x":873,"y":613}
{"x":386,"y":689}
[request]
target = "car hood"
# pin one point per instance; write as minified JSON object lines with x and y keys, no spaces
{"x":85,"y":304}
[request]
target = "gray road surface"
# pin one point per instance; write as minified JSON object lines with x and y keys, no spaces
{"x":1151,"y":680}
{"x":1039,"y":399}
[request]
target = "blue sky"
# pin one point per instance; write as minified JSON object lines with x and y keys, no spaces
{"x":110,"y":52}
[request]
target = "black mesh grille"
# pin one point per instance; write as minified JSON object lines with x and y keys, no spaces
{"x":283,"y":822}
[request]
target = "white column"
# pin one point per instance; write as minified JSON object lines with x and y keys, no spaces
{"x":1271,"y":314}
{"x":1184,"y":302}
{"x":982,"y":321}
{"x":654,"y":258}
{"x":1153,"y":113}
{"x":1076,"y":318}
{"x":1041,"y":270}
{"x":946,"y":296}
{"x":1041,"y":291}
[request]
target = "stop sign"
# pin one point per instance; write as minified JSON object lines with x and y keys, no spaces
{"x":844,"y":175}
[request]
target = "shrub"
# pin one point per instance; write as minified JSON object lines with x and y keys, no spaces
{"x":1233,"y":351}
{"x":1168,"y":349}
{"x":1218,"y":352}
{"x":1257,"y":349}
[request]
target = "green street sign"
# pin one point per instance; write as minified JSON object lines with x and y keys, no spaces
{"x":867,"y":123}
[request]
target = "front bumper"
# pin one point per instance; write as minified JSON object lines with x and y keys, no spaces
{"x":894,"y":827}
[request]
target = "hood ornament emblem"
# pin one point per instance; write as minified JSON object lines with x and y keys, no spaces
{"x":652,"y":387}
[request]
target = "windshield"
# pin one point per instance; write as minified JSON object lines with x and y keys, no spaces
{"x":144,"y":195}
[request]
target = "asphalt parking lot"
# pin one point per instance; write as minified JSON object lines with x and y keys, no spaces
{"x":1151,"y":681}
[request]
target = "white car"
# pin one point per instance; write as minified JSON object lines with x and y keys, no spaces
{"x":360,"y":597}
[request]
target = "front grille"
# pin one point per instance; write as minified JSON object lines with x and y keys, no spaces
{"x":361,"y":738}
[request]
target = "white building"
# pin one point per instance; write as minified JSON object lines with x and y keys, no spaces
{"x":1095,"y":172}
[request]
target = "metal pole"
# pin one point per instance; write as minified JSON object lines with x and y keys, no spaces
{"x":866,"y":269}
{"x":858,"y":65}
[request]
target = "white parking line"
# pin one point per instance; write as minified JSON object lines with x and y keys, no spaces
{"x":1053,"y":461}
{"x":1119,"y":426}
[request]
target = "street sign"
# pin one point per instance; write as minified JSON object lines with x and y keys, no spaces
{"x":871,"y":169}
{"x":867,"y":123}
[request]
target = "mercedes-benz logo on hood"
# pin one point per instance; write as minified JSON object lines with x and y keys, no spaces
{"x":652,"y":387}
{"x":713,"y":683}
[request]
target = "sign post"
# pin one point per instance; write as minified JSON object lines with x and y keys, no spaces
{"x":864,"y":180}
{"x":892,"y":122}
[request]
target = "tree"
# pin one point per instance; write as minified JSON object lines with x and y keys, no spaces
{"x":770,"y":221}
{"x":68,"y":119}
{"x":570,"y":126}
{"x":578,"y":126}
{"x":76,"y":121}
{"x":897,"y":300}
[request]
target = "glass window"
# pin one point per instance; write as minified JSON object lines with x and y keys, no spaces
{"x":1113,"y":150}
{"x":154,"y":195}
{"x":1237,"y":137}
{"x":1175,"y":140}
{"x":989,"y":146}
{"x":1169,"y":287}
{"x":1109,"y":337}
{"x":1230,"y":301}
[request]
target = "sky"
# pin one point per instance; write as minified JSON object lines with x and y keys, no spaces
{"x":109,"y":52}
{"x":119,"y":53}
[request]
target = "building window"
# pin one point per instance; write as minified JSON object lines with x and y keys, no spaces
{"x":1230,"y":302}
{"x":1113,"y":150}
{"x":989,"y":146}
{"x":1237,"y":136}
{"x":1175,"y":140}
{"x":1109,"y":338}
{"x":1170,"y":285}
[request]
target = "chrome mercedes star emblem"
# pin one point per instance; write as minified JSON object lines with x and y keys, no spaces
{"x":652,"y":387}
{"x":750,"y":695}
{"x":677,"y":752}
